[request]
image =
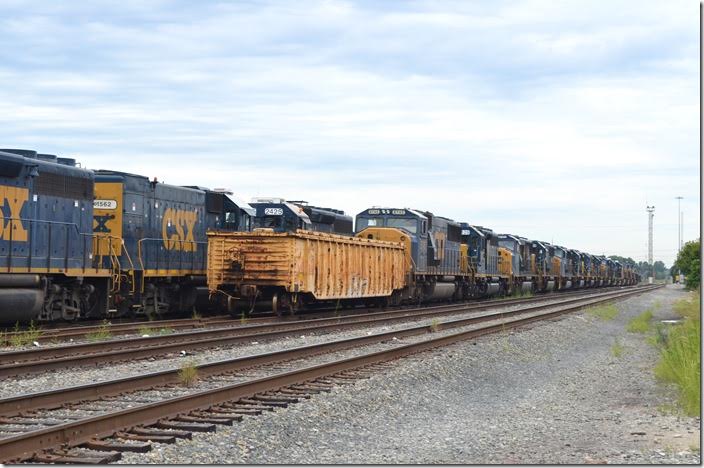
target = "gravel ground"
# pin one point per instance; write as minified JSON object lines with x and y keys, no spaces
{"x":86,"y":375}
{"x":552,"y":393}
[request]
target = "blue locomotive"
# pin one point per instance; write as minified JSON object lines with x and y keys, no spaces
{"x":287,"y":216}
{"x":162,"y":232}
{"x":434,"y":250}
{"x":49,"y":268}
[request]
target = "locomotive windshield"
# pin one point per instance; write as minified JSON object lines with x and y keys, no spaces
{"x":410,"y":225}
{"x":363,"y":223}
{"x":268,"y":222}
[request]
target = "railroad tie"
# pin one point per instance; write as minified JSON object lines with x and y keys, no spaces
{"x":149,"y":431}
{"x":311,"y":388}
{"x":222,"y":409}
{"x":186,"y":426}
{"x":298,"y":393}
{"x":262,"y":404}
{"x":72,"y":460}
{"x":274,"y":399}
{"x":83,"y":457}
{"x":194,"y":418}
{"x":210,"y":414}
{"x":145,"y":438}
{"x":109,"y":446}
{"x":324,"y":381}
{"x":251,"y":410}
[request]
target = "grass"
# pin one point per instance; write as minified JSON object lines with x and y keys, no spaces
{"x":24,"y":337}
{"x":617,"y":349}
{"x":188,"y":374}
{"x":101,"y":334}
{"x":680,"y":356}
{"x":435,"y":325}
{"x":641,"y":323}
{"x":519,"y":293}
{"x":688,"y":308}
{"x":195,"y":315}
{"x":604,"y":312}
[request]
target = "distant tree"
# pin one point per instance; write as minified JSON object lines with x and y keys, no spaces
{"x":688,"y":262}
{"x":644,"y":269}
{"x":623,"y":260}
{"x":660,"y":270}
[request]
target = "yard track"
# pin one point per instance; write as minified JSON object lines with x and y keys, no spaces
{"x":37,"y":360}
{"x":165,"y":418}
{"x":52,"y":333}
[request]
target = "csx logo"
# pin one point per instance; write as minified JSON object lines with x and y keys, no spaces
{"x":12,"y":199}
{"x":177,"y":228}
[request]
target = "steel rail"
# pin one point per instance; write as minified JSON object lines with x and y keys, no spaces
{"x":27,"y":445}
{"x":54,"y":398}
{"x":122,"y":328}
{"x":92,"y":347}
{"x":62,"y":357}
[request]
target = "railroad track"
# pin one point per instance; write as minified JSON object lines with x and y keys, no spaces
{"x":82,"y":330}
{"x":158,"y":409}
{"x":37,"y":360}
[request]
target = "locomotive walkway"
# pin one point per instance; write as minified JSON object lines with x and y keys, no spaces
{"x":172,"y":411}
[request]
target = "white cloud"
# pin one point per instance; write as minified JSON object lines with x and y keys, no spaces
{"x":537,"y":116}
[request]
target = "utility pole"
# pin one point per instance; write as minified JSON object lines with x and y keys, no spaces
{"x":651,"y":214}
{"x":679,"y":224}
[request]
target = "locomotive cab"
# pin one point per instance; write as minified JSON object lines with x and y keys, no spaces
{"x":433,"y":248}
{"x":288,"y":216}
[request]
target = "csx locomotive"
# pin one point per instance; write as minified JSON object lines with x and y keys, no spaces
{"x":80,"y":243}
{"x":77,"y":243}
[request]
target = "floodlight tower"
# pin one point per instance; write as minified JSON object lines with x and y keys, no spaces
{"x":679,"y":224}
{"x":651,"y":214}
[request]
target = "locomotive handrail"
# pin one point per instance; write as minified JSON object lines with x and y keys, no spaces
{"x":87,"y":256}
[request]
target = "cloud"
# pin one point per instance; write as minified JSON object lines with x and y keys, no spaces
{"x":535,"y":116}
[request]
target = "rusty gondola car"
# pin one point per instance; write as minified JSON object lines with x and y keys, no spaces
{"x":284,"y":271}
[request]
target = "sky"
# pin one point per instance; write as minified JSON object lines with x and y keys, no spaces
{"x":556,"y":121}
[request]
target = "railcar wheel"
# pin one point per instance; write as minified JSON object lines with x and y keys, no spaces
{"x":276,"y":304}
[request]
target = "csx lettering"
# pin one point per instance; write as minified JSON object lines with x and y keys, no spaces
{"x":14,"y":198}
{"x":183,"y":223}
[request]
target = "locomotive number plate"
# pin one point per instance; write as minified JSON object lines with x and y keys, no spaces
{"x":274,"y":211}
{"x":105,"y":204}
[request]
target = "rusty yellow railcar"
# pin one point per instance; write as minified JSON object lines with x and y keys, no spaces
{"x":285,"y":271}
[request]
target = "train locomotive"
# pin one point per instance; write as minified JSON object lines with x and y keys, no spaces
{"x":287,"y":216}
{"x":50,"y":270}
{"x":162,"y":229}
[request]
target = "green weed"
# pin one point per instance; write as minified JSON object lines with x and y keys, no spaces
{"x":434,"y":325}
{"x":520,"y":294}
{"x":101,"y":334}
{"x":25,"y":337}
{"x":604,"y":312}
{"x":688,"y":308}
{"x":641,"y":323}
{"x":680,"y":357}
{"x":616,"y":349}
{"x":188,"y":374}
